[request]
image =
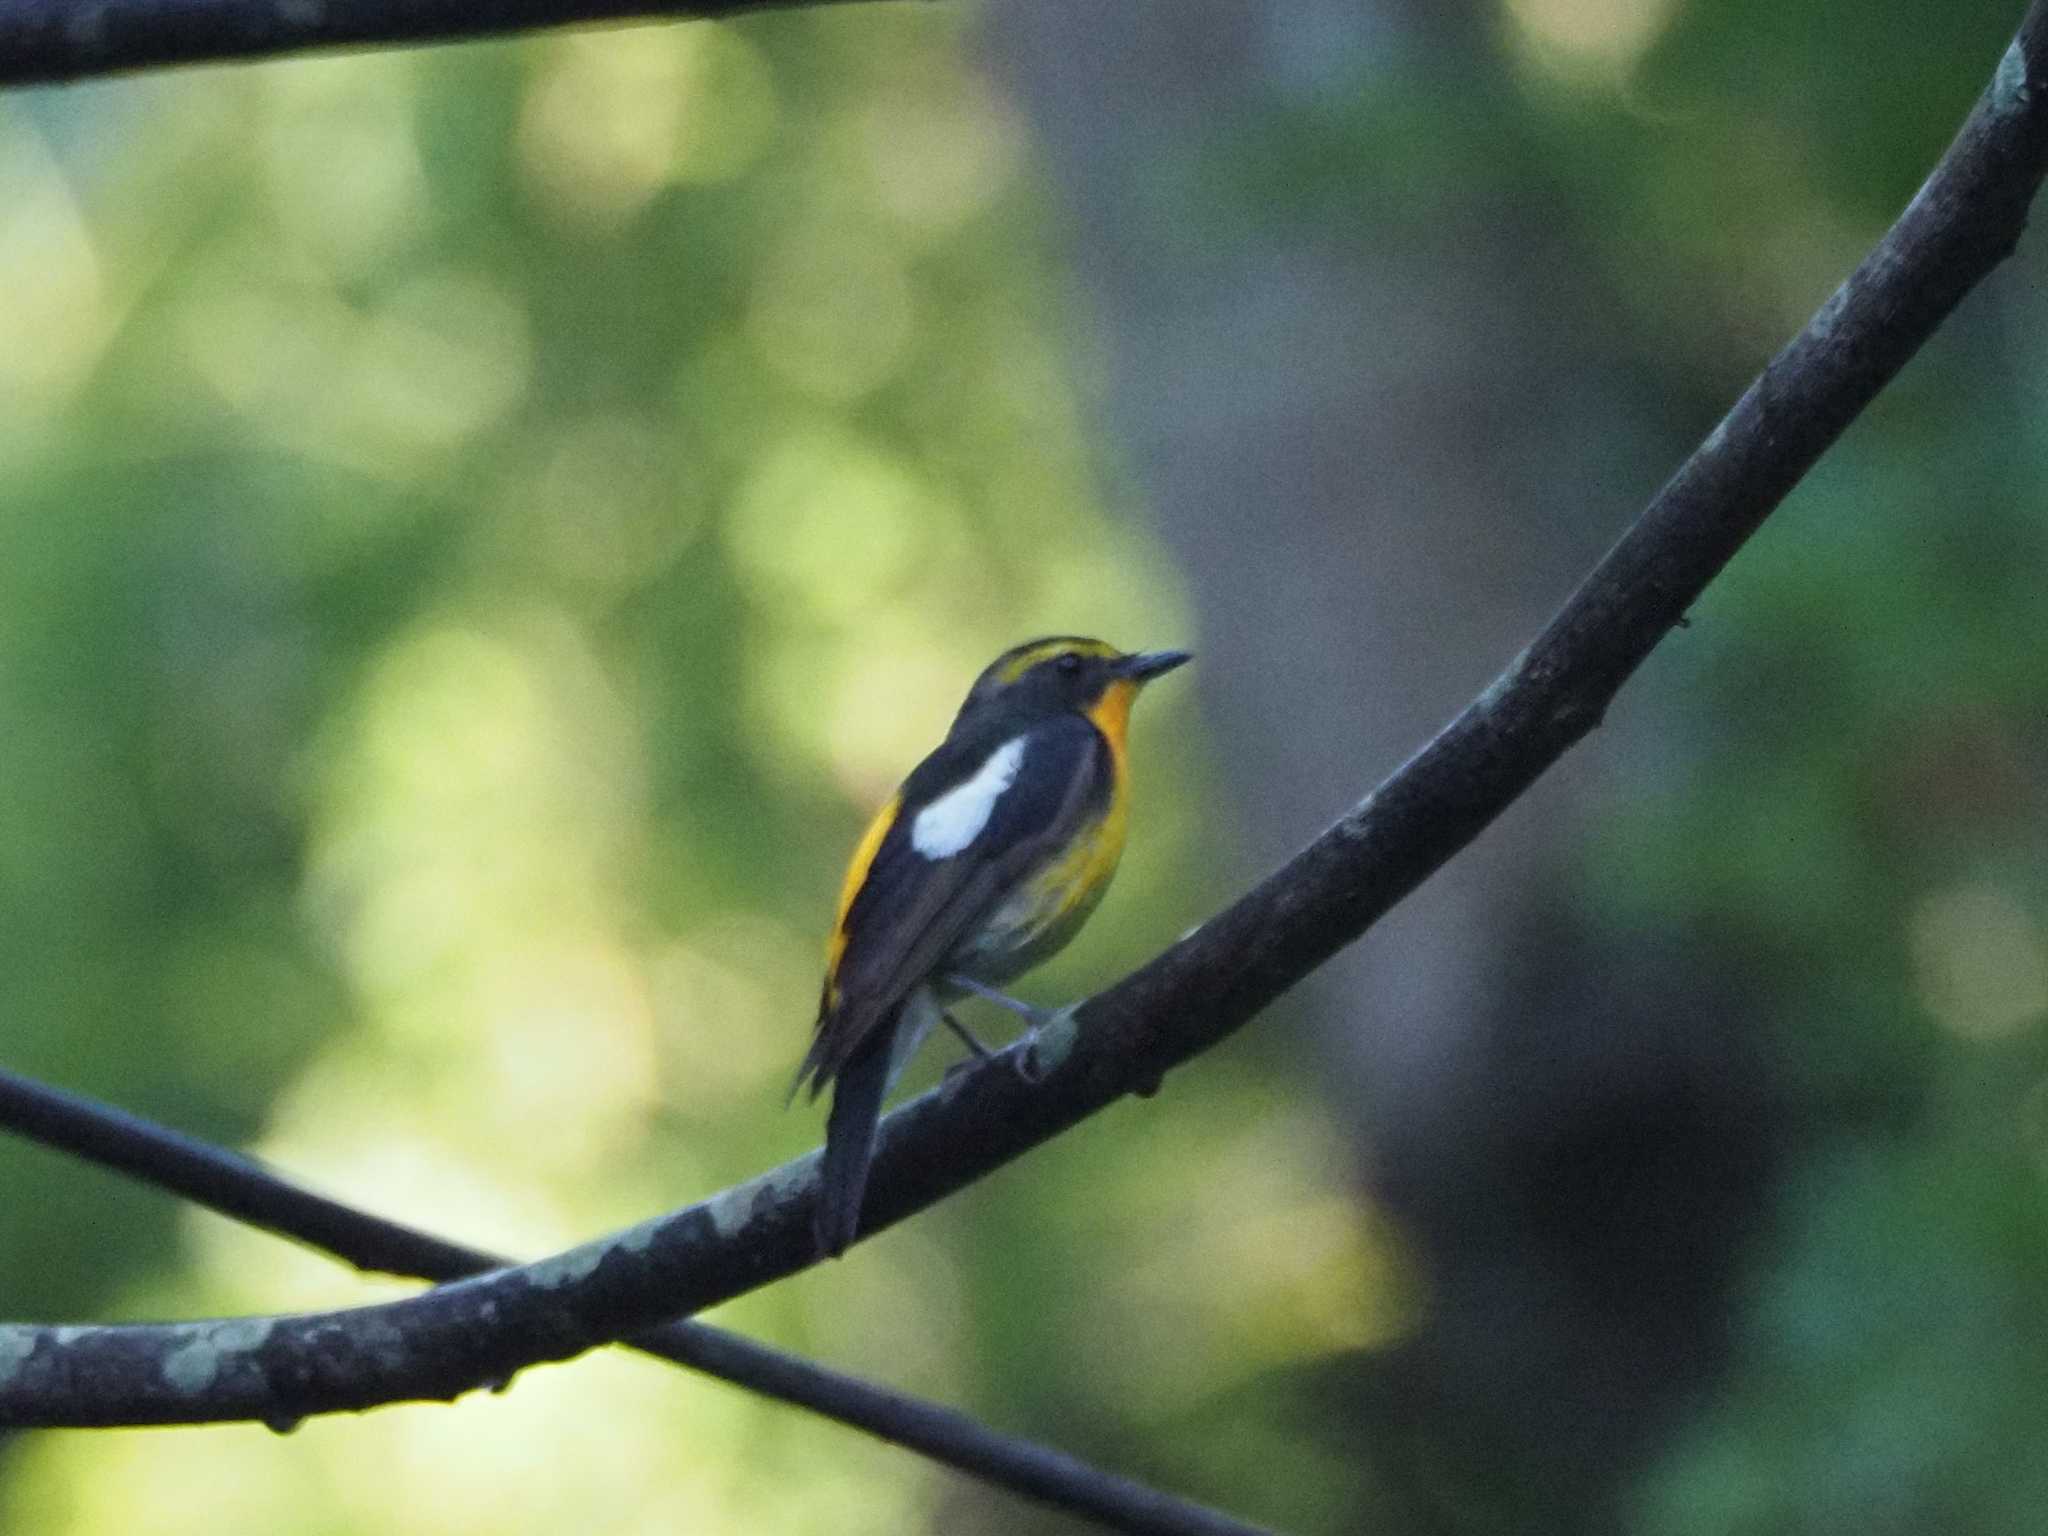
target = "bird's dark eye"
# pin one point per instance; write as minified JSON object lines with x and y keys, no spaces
{"x":1069,"y":665}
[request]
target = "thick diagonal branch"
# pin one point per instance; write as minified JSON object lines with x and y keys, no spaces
{"x":1965,"y":220}
{"x":245,"y":1190}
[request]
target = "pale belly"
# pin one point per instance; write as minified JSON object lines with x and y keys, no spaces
{"x":1035,"y":921}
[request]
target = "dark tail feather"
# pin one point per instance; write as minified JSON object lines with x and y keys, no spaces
{"x":857,"y":1091}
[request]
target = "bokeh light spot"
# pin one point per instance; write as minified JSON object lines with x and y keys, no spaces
{"x":340,"y":160}
{"x":830,"y":521}
{"x":832,"y":311}
{"x":605,"y":501}
{"x":55,"y":318}
{"x":1979,"y":963}
{"x":937,"y":156}
{"x":609,"y":119}
{"x":444,"y":356}
{"x":1600,"y":38}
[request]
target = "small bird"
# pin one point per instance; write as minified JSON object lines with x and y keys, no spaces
{"x":986,"y":861}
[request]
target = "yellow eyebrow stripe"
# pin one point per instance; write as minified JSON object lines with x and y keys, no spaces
{"x":1024,"y":661}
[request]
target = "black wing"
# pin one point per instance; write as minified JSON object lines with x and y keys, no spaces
{"x":912,"y":910}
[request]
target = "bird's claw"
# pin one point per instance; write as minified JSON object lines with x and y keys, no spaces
{"x":1029,"y":1067}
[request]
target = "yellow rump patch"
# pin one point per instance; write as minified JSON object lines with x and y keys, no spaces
{"x":856,"y":874}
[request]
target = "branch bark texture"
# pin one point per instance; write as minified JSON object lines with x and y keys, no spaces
{"x":44,"y":42}
{"x":1964,"y":221}
{"x":244,"y":1189}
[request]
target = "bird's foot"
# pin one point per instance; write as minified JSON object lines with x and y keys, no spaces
{"x":1029,"y":1067}
{"x":1048,"y":1032}
{"x":1046,"y":1044}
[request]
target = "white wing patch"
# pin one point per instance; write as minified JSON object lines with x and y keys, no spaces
{"x":956,"y":818}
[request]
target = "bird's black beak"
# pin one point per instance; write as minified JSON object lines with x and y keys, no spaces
{"x":1146,"y":665}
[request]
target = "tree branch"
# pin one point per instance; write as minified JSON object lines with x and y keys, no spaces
{"x":44,"y":42}
{"x":246,"y":1190}
{"x":1965,"y":220}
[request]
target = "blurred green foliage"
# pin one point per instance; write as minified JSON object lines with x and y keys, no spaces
{"x":483,"y":525}
{"x":1862,"y":827}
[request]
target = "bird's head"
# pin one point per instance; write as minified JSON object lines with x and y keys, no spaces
{"x":1063,"y":674}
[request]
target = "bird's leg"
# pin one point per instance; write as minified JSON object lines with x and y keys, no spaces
{"x":981,"y":1052}
{"x":1034,"y":1019}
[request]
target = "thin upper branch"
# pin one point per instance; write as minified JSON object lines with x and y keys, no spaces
{"x":1965,"y":220}
{"x":244,"y":1189}
{"x":48,"y":41}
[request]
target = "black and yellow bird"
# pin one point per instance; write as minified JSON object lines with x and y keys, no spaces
{"x":983,"y":864}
